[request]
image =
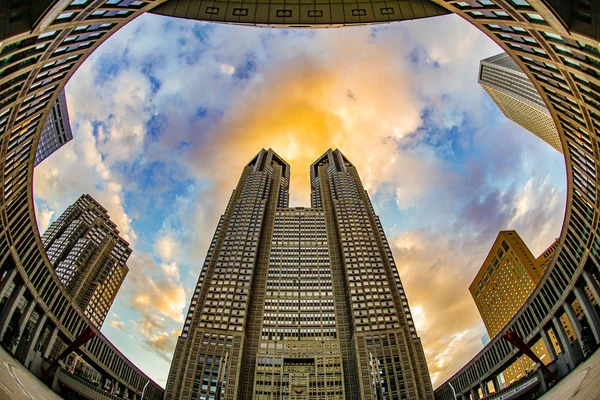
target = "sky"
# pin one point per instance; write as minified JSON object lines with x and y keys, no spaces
{"x":166,"y":113}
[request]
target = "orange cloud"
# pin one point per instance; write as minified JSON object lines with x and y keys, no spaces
{"x":356,"y":99}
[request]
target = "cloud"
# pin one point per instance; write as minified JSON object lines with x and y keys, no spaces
{"x":162,"y":133}
{"x":59,"y":182}
{"x":44,"y":217}
{"x":165,"y":246}
{"x":171,"y":270}
{"x":120,"y":325}
{"x":160,"y":343}
{"x":154,"y":291}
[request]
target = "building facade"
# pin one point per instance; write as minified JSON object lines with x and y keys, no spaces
{"x":507,"y":277}
{"x":88,"y":256}
{"x":504,"y":282}
{"x":299,"y":303}
{"x":515,"y":95}
{"x":555,"y":42}
{"x":56,"y":131}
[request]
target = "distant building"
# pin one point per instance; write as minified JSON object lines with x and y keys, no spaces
{"x":546,"y":257}
{"x":506,"y":279}
{"x":485,"y":339}
{"x":88,"y":255}
{"x":56,"y":131}
{"x":504,"y":282}
{"x":516,"y":96}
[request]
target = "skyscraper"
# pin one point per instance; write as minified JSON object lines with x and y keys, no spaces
{"x":515,"y":95}
{"x":88,"y":255}
{"x":299,"y":303}
{"x":504,"y":282}
{"x":56,"y":131}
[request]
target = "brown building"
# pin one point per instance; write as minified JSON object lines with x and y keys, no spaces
{"x":506,"y":279}
{"x":88,"y":255}
{"x":299,"y":303}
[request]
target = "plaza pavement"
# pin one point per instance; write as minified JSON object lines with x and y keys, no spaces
{"x":17,"y":383}
{"x":583,"y":383}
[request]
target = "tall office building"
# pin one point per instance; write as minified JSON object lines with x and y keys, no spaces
{"x":506,"y":279}
{"x":88,"y":255}
{"x":299,"y":303}
{"x":56,"y":131}
{"x":516,"y":96}
{"x":504,"y":282}
{"x":546,"y":257}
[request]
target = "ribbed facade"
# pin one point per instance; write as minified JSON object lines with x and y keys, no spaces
{"x":555,"y":42}
{"x":515,"y":95}
{"x":88,"y":256}
{"x":299,"y":303}
{"x":56,"y":131}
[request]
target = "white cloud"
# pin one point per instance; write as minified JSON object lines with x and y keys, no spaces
{"x":165,"y":246}
{"x":386,"y":96}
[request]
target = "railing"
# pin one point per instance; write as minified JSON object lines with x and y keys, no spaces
{"x":517,"y":387}
{"x":75,"y":383}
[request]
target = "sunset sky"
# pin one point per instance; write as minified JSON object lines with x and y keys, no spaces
{"x":167,"y":112}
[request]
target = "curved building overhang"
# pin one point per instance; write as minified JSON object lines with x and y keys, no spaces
{"x":300,"y":13}
{"x":556,"y":43}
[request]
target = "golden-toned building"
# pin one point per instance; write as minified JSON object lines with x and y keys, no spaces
{"x":506,"y":279}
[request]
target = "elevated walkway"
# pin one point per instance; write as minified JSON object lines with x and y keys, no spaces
{"x":517,"y":389}
{"x":84,"y":388}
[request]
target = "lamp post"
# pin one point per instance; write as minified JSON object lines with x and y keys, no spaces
{"x":453,"y":391}
{"x":144,"y":390}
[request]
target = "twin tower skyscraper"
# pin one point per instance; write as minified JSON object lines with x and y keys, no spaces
{"x":299,"y":303}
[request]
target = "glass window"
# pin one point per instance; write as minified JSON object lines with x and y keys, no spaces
{"x":66,"y":15}
{"x":535,"y":17}
{"x":554,"y":36}
{"x":520,"y":3}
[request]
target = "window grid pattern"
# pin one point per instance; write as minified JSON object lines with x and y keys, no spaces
{"x":88,"y":256}
{"x":569,"y":89}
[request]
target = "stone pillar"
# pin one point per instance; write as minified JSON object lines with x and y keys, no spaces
{"x":51,"y":340}
{"x":548,"y":344}
{"x":55,"y":386}
{"x":29,"y":351}
{"x":543,"y":387}
{"x":563,"y":340}
{"x":475,"y":393}
{"x":484,"y":389}
{"x":573,"y":319}
{"x":592,"y":284}
{"x":103,"y":381}
{"x":578,"y":345}
{"x":590,"y":313}
{"x":5,"y":284}
{"x":496,"y":384}
{"x":10,"y":308}
{"x":26,"y":315}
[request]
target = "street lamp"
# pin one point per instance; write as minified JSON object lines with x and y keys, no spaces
{"x":453,"y":391}
{"x":144,"y":390}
